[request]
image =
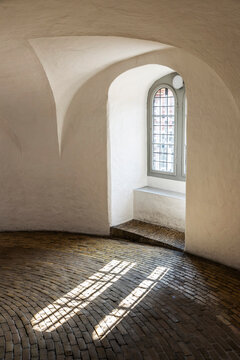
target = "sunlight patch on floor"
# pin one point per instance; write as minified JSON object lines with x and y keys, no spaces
{"x":57,"y":313}
{"x":126,"y":305}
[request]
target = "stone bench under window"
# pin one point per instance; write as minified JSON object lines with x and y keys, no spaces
{"x":161,"y":207}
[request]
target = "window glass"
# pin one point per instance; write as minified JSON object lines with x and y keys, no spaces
{"x":167,"y":110}
{"x":163,"y":131}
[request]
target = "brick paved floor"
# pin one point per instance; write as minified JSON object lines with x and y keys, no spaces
{"x":65,"y":296}
{"x":143,"y":232}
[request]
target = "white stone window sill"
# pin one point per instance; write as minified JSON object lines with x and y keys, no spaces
{"x":162,"y":192}
{"x":160,"y":207}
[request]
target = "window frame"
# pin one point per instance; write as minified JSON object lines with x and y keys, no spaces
{"x":179,"y":128}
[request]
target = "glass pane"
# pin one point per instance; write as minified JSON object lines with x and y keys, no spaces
{"x":156,"y":148}
{"x":164,"y":120}
{"x":156,"y":165}
{"x":156,"y":157}
{"x":156,"y":139}
{"x":171,"y":129}
{"x":164,"y":149}
{"x":156,"y":129}
{"x":156,"y":102}
{"x":164,"y":101}
{"x":162,"y":92}
{"x":163,"y":157}
{"x":164,"y":110}
{"x":170,"y":158}
{"x":163,"y":139}
{"x":163,"y":131}
{"x":156,"y":121}
{"x":163,"y":166}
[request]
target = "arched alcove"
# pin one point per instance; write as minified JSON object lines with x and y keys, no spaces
{"x":71,"y":191}
{"x":127,"y":117}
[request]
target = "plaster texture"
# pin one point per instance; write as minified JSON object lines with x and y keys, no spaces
{"x":167,"y":184}
{"x":165,"y":208}
{"x":70,"y":61}
{"x":55,"y":162}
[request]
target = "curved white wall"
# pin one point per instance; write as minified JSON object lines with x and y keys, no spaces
{"x":40,"y":189}
{"x":202,"y":115}
{"x":70,"y":61}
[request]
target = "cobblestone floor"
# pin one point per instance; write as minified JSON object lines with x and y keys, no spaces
{"x":143,"y":232}
{"x":65,"y":296}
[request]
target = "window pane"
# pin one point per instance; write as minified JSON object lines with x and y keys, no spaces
{"x":157,"y":102}
{"x":156,"y":157}
{"x":156,"y":129}
{"x":170,"y":120}
{"x":164,"y":101}
{"x":163,"y":110}
{"x":164,"y":120}
{"x":156,"y":139}
{"x":163,"y":157}
{"x":156,"y":121}
{"x":170,"y":158}
{"x":156,"y":148}
{"x":163,"y":166}
{"x":171,"y":129}
{"x":164,"y":149}
{"x":162,"y":92}
{"x":163,"y":139}
{"x":164,"y":129}
{"x":156,"y":110}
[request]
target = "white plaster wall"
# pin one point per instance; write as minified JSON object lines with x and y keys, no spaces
{"x":70,"y":61}
{"x":166,"y":208}
{"x":167,"y":184}
{"x":200,"y":116}
{"x":127,"y":100}
{"x":41,"y":190}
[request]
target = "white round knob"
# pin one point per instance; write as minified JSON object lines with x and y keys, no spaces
{"x":177,"y":82}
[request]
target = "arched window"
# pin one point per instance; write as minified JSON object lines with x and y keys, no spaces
{"x":166,"y":128}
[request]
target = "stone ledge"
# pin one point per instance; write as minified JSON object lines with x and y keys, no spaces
{"x":160,"y":207}
{"x":162,"y":192}
{"x":150,"y":234}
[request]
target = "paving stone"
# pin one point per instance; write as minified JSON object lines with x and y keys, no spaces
{"x":58,"y":302}
{"x":142,"y":232}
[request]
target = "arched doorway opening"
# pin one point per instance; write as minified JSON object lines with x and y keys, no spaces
{"x":134,"y":193}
